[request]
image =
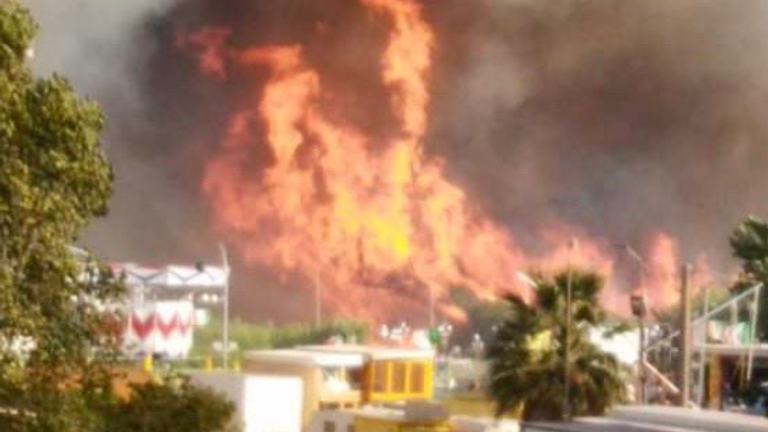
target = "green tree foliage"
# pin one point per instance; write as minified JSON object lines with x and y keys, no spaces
{"x":57,"y":338}
{"x":54,"y":179}
{"x":749,"y":243}
{"x":528,"y":354}
{"x":483,"y":317}
{"x":249,"y":336}
{"x":175,"y":405}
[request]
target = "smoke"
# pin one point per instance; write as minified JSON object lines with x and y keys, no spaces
{"x":623,"y":119}
{"x":105,"y":49}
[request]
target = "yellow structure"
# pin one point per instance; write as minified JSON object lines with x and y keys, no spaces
{"x":378,"y":419}
{"x":390,"y":374}
{"x":365,"y":422}
{"x":325,"y":376}
{"x":349,"y":376}
{"x":477,"y":404}
{"x":148,"y":363}
{"x":398,"y":380}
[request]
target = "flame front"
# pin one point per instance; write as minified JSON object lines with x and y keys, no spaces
{"x":377,"y":223}
{"x":381,"y":229}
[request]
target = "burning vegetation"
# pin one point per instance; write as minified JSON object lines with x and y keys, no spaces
{"x":373,"y":219}
{"x":389,"y":150}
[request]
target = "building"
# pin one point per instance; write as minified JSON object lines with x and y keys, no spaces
{"x":390,"y":374}
{"x":161,"y":306}
{"x":330,"y":381}
{"x":377,"y":419}
{"x":348,"y":377}
{"x":263,"y":403}
{"x":412,"y":417}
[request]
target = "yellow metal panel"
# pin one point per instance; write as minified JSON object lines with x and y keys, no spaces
{"x":366,"y":424}
{"x":477,"y":404}
{"x":363,"y":424}
{"x":410,"y":393}
{"x":439,"y":427}
{"x":408,"y":367}
{"x":367,"y":388}
{"x":429,"y":379}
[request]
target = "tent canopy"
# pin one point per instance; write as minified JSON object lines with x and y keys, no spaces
{"x":173,"y":276}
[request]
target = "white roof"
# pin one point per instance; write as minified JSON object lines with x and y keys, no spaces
{"x":173,"y":276}
{"x":374,"y":353}
{"x":306,"y":358}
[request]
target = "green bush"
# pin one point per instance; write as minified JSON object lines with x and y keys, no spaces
{"x":251,"y":337}
{"x":174,"y":405}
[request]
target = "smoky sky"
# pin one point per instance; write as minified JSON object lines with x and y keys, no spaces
{"x":620,"y":118}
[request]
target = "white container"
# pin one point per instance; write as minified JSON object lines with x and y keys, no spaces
{"x":264,"y":403}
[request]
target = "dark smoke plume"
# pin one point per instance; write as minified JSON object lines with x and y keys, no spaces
{"x":623,"y":118}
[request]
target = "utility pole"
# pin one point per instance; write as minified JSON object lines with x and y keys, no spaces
{"x":641,"y":357}
{"x":432,"y":315}
{"x":701,"y":385}
{"x":685,"y":338}
{"x":225,"y":264}
{"x":639,"y":310}
{"x":318,"y":300}
{"x":568,"y":323}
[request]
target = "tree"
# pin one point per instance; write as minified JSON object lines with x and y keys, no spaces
{"x":174,"y":406}
{"x":749,"y":243}
{"x":528,"y":354}
{"x":54,"y":179}
{"x":250,"y":336}
{"x":57,"y":334}
{"x":483,"y":317}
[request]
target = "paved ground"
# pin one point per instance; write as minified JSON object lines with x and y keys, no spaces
{"x":658,"y":419}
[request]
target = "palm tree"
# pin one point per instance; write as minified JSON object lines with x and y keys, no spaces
{"x":528,"y":353}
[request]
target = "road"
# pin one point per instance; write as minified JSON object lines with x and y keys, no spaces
{"x":658,"y":419}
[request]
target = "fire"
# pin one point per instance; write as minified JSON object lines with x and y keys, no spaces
{"x":663,"y":278}
{"x":378,"y":224}
{"x":662,"y":285}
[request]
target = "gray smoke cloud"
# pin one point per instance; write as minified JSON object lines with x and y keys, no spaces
{"x":623,"y":118}
{"x":104,"y":48}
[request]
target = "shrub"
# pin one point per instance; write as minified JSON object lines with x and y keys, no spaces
{"x":170,"y":406}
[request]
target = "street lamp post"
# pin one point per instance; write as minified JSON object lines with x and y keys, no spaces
{"x":639,"y":310}
{"x":225,"y":329}
{"x":318,"y":300}
{"x":572,"y":245}
{"x":432,"y":315}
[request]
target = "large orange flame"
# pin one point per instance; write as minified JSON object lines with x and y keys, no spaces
{"x":378,"y":224}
